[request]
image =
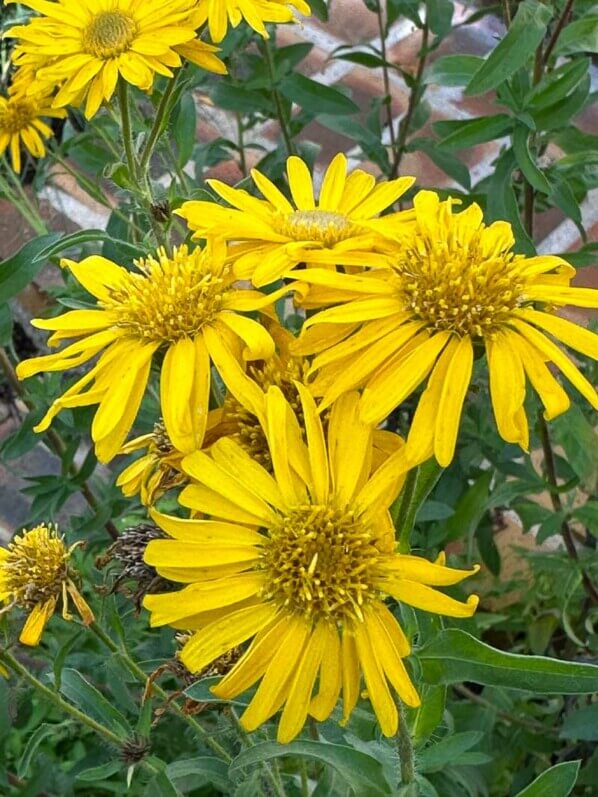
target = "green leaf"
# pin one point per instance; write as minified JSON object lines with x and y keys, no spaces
{"x":588,"y":514}
{"x":526,"y":161}
{"x":444,"y":160}
{"x":560,"y":113}
{"x":94,"y":774}
{"x":440,"y":16}
{"x":452,"y":70}
{"x":501,"y":202}
{"x":418,"y":486}
{"x":362,"y":772}
{"x":184,"y":124}
{"x":86,"y":697}
{"x":461,"y":134}
{"x":580,"y":36}
{"x":447,"y":751}
{"x":315,"y":97}
{"x":190,"y":773}
{"x":455,"y":656}
{"x":161,"y":786}
{"x":568,"y":430}
{"x":470,"y":507}
{"x":434,"y":510}
{"x":581,"y":725}
{"x":319,"y":9}
{"x":515,"y":49}
{"x":5,"y":324}
{"x":558,"y":781}
{"x":236,"y":98}
{"x":18,"y":271}
{"x":430,"y":713}
{"x":371,"y":60}
{"x":37,"y":737}
{"x":556,"y":85}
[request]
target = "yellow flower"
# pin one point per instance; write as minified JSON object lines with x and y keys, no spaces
{"x":300,"y":562}
{"x":159,"y":468}
{"x":34,"y":574}
{"x":222,"y":13}
{"x":87,"y":45}
{"x":278,"y":235}
{"x":21,"y":123}
{"x":453,"y":282}
{"x":186,"y":306}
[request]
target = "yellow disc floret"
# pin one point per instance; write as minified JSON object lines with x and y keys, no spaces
{"x":109,"y":34}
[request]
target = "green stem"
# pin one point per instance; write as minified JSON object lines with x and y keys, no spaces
{"x":271,"y":772}
{"x":386,"y":80}
{"x":405,"y":748}
{"x":241,"y":145}
{"x":17,"y":196}
{"x":557,"y":31}
{"x":158,"y":125}
{"x":54,"y":698}
{"x":557,"y":505}
{"x":415,"y":96}
{"x":138,"y":673}
{"x":127,"y":131}
{"x":282,"y":117}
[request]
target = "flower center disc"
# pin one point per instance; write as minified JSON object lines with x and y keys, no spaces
{"x":454,"y":285}
{"x":16,"y":116}
{"x":320,"y":563}
{"x":316,"y":225}
{"x":109,"y":34}
{"x":35,"y":568}
{"x":171,"y":299}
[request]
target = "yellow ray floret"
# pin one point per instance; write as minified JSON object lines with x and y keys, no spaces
{"x":86,"y":45}
{"x":452,"y":282}
{"x":276,"y":234}
{"x":219,"y":14}
{"x":21,"y":123}
{"x":307,"y":590}
{"x":35,"y":575}
{"x":187,"y":307}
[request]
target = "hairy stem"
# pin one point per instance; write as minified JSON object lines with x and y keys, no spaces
{"x":158,"y":125}
{"x":405,"y":748}
{"x":54,"y":698}
{"x":142,"y":678}
{"x":557,"y":505}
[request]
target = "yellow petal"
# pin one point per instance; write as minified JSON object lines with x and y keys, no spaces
{"x":225,"y":634}
{"x":297,"y":703}
{"x":36,"y":622}
{"x":237,"y":462}
{"x":414,"y":568}
{"x":333,"y":183}
{"x":507,"y":386}
{"x":206,"y":531}
{"x":389,"y":658}
{"x":579,"y":338}
{"x":552,"y":394}
{"x":274,"y":685}
{"x":176,"y":385}
{"x":350,"y":447}
{"x":330,"y":682}
{"x":375,"y":681}
{"x":428,"y":599}
{"x":452,"y":395}
{"x":350,"y":674}
{"x":300,"y":183}
{"x":316,"y":445}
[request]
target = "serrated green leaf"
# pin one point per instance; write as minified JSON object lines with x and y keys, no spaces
{"x":515,"y":49}
{"x":428,"y":716}
{"x":193,"y":772}
{"x":33,"y":742}
{"x":455,"y":656}
{"x":362,"y":772}
{"x":94,"y":774}
{"x":558,"y":781}
{"x":18,"y":271}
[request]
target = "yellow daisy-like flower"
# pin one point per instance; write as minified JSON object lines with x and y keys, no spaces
{"x":221,"y":13}
{"x":88,"y":44}
{"x":34,"y":575}
{"x":21,"y":123}
{"x":300,"y":563}
{"x":453,"y":282}
{"x":277,"y":235}
{"x":186,"y":306}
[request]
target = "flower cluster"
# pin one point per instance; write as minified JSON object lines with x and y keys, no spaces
{"x":272,"y":442}
{"x":75,"y":53}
